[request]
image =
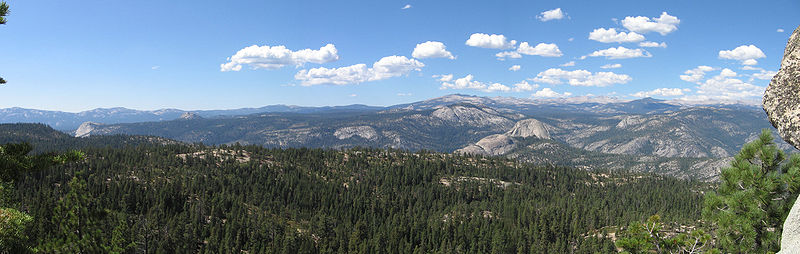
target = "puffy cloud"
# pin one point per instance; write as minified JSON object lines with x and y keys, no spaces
{"x":725,"y":87}
{"x":549,"y":93}
{"x":611,"y":66}
{"x":524,"y":86}
{"x":444,"y":77}
{"x":666,"y":92}
{"x":621,"y":53}
{"x":696,"y":74}
{"x":509,"y":54}
{"x":497,"y":87}
{"x":652,"y":44}
{"x":431,"y":49}
{"x":611,"y":35}
{"x":743,"y":53}
{"x":515,"y":68}
{"x":541,"y":49}
{"x":406,"y":7}
{"x":727,"y":73}
{"x":274,"y":57}
{"x":780,"y":30}
{"x":765,"y":74}
{"x":404,"y":94}
{"x":568,"y":64}
{"x":494,"y":41}
{"x":750,"y":62}
{"x":467,"y":83}
{"x":551,"y":15}
{"x":663,"y":25}
{"x":387,"y":67}
{"x":581,"y":78}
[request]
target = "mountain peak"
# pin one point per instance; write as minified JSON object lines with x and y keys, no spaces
{"x":189,"y":116}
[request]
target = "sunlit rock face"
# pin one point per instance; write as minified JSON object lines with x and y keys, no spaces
{"x":782,"y":104}
{"x":782,"y":97}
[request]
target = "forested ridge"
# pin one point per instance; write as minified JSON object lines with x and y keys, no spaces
{"x":178,"y":198}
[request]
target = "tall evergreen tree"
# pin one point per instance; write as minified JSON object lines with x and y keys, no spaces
{"x":754,"y":197}
{"x":76,"y":216}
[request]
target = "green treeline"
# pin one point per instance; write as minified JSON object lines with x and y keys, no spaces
{"x":192,"y":198}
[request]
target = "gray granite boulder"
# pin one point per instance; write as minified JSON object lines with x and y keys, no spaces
{"x":782,"y":104}
{"x":782,"y":97}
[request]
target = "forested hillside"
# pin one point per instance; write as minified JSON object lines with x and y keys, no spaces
{"x":179,"y":198}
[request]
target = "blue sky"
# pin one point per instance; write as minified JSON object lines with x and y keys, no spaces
{"x":79,"y":55}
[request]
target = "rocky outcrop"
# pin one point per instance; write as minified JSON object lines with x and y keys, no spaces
{"x":189,"y":116}
{"x":499,"y":144}
{"x":782,"y":104}
{"x":529,"y":128}
{"x":85,"y":129}
{"x":782,"y":97}
{"x":366,"y":132}
{"x":496,"y":144}
{"x":471,"y":115}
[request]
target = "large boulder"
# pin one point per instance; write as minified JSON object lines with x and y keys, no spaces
{"x":782,"y":104}
{"x":782,"y":97}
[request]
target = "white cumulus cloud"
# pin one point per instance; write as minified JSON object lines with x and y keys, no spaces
{"x":549,"y":93}
{"x":725,"y":87}
{"x":765,"y":74}
{"x":611,"y":66}
{"x":696,"y":74}
{"x":274,"y":57}
{"x":780,"y":30}
{"x":444,"y":77}
{"x":387,"y":67}
{"x":743,"y":53}
{"x":750,"y":62}
{"x":515,"y":68}
{"x":567,"y":64}
{"x":524,"y":86}
{"x":551,"y":15}
{"x":611,"y":35}
{"x":581,"y":78}
{"x":663,"y":25}
{"x":406,"y":7}
{"x":652,"y":44}
{"x":431,"y":49}
{"x":509,"y":54}
{"x":467,"y":82}
{"x":621,"y":53}
{"x":541,"y":49}
{"x":494,"y":41}
{"x":665,"y":92}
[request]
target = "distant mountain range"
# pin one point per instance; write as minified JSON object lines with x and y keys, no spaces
{"x":648,"y":135}
{"x":66,"y":121}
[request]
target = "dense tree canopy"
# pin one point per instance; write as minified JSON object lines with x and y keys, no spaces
{"x":187,"y":198}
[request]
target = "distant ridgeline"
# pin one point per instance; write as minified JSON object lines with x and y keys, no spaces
{"x":647,"y":135}
{"x":144,"y":194}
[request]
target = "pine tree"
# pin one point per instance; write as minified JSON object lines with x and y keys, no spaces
{"x":76,"y":216}
{"x":754,"y":197}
